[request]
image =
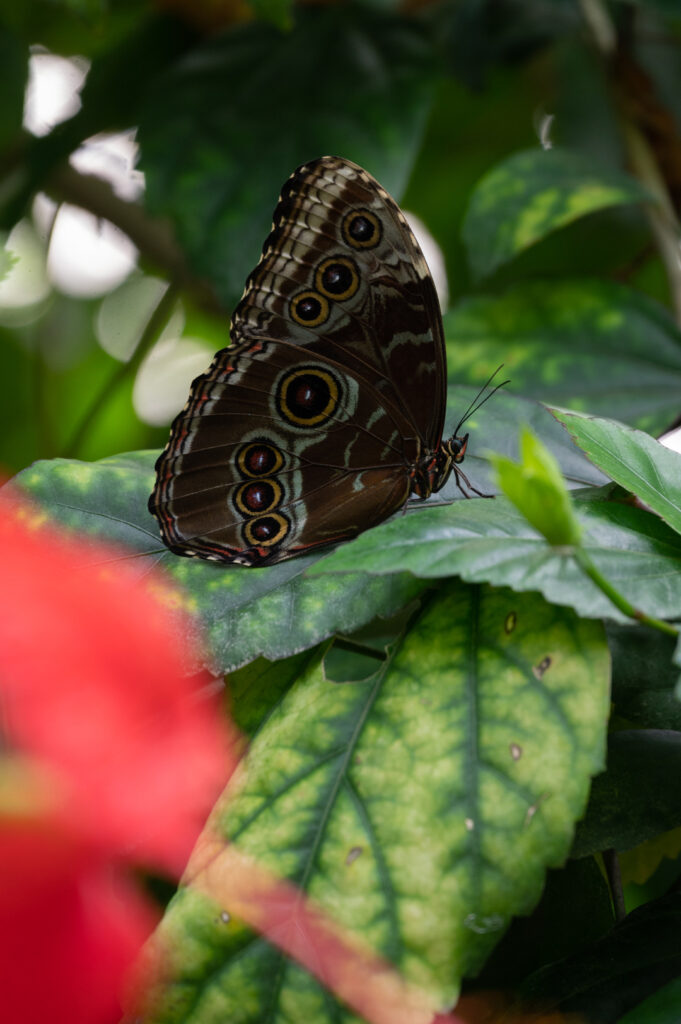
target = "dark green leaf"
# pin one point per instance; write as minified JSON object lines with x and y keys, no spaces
{"x":243,"y":612}
{"x":644,"y":676}
{"x":587,"y":344}
{"x":420,"y":807}
{"x":224,"y":130}
{"x":574,"y":911}
{"x":490,"y":541}
{"x":615,"y":974}
{"x":496,"y":427}
{"x":13,"y":77}
{"x":257,"y":687}
{"x":278,"y":12}
{"x":637,"y":797}
{"x":660,"y":1008}
{"x":632,"y":459}
{"x":531,"y":194}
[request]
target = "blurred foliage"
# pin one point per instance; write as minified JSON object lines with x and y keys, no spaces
{"x":540,"y":143}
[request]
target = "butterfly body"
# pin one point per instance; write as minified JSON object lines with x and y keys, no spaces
{"x":326,"y":412}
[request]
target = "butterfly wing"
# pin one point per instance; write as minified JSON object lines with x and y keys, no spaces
{"x":308,"y":429}
{"x":342,"y":275}
{"x":276,"y":453}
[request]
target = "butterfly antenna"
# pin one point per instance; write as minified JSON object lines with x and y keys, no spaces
{"x":478,"y":401}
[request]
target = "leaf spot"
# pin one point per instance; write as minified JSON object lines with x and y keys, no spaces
{"x":533,"y":808}
{"x":470,"y":824}
{"x":516,"y":751}
{"x":225,"y":917}
{"x":483,"y":924}
{"x":353,"y":854}
{"x":510,"y":622}
{"x":541,"y":668}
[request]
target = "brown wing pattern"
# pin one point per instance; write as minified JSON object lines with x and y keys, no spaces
{"x":309,"y":428}
{"x":265,"y":438}
{"x":342,"y":274}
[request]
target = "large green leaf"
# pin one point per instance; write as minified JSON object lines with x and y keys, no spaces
{"x":532,"y":193}
{"x":490,"y":541}
{"x":637,"y":798}
{"x":243,"y":612}
{"x":587,"y":344}
{"x":420,"y":806}
{"x":224,"y":130}
{"x":632,"y":459}
{"x":274,"y":611}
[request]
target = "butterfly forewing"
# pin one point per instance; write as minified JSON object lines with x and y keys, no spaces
{"x":327,"y":410}
{"x":343,"y":275}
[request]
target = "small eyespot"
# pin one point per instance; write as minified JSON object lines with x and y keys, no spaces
{"x":257,"y":497}
{"x":309,"y":309}
{"x":259,"y":458}
{"x":337,"y":278}
{"x":361,"y":229}
{"x":265,"y":531}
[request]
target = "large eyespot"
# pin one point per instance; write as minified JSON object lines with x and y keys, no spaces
{"x":266,"y":530}
{"x":361,"y":229}
{"x":337,"y":278}
{"x":256,"y":497}
{"x":309,"y":309}
{"x":259,"y":458}
{"x":308,"y":396}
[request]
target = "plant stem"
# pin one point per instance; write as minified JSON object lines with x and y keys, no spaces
{"x":612,"y":870}
{"x":587,"y":566}
{"x":155,"y":325}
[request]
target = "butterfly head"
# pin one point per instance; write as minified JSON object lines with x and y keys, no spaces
{"x":456,"y":448}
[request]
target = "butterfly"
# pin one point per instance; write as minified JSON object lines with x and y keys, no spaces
{"x":326,"y":412}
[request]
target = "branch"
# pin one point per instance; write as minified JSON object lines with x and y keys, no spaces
{"x":153,"y":237}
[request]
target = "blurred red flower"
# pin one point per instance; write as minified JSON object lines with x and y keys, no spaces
{"x":112,"y":758}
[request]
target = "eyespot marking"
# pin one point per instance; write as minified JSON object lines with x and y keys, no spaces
{"x":309,"y":309}
{"x":266,"y":531}
{"x":337,"y":278}
{"x":361,"y":229}
{"x":259,"y":458}
{"x":258,"y":497}
{"x":308,"y":396}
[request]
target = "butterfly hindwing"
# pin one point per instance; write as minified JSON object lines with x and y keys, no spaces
{"x":267,"y":460}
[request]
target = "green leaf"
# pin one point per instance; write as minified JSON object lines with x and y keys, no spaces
{"x":496,"y":428}
{"x":254,"y":689}
{"x":637,"y":797}
{"x":531,"y":194}
{"x":420,"y":807}
{"x":278,"y":12}
{"x":644,"y":676}
{"x":592,"y":345}
{"x":242,"y":612}
{"x":606,"y":979}
{"x":632,"y":459}
{"x":225,"y":129}
{"x":490,"y":541}
{"x":537,"y":489}
{"x":660,"y":1008}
